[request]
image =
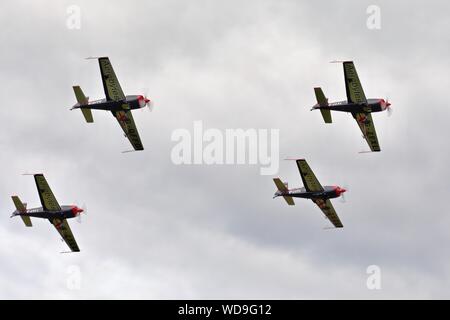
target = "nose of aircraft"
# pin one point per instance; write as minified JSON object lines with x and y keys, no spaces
{"x":388,"y":108}
{"x":340,"y":191}
{"x":76,"y":211}
{"x":143,"y":101}
{"x":385,"y":104}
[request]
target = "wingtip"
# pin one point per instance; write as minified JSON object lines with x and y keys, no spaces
{"x":341,"y":61}
{"x":332,"y":228}
{"x":95,"y":57}
{"x":132,"y":150}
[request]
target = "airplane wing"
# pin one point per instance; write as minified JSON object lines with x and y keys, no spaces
{"x":367,"y":127}
{"x":309,"y":179}
{"x":48,"y":200}
{"x":126,"y":121}
{"x":111,"y":85}
{"x":328,"y":210}
{"x":64,"y":230}
{"x":353,"y":86}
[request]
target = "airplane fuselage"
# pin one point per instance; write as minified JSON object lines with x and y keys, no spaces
{"x":329,"y":192}
{"x":66,"y":212}
{"x":134,"y":102}
{"x":373,"y":105}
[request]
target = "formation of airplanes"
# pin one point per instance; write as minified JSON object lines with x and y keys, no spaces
{"x":121,"y":106}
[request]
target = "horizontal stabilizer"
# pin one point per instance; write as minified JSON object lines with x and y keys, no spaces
{"x":27,"y":221}
{"x":87,"y":113}
{"x":83,"y":101}
{"x":320,"y":97}
{"x":81,"y":98}
{"x":19,"y":204}
{"x":21,"y":208}
{"x":289,"y":200}
{"x":322,"y":101}
{"x":282,"y":187}
{"x":326,"y":115}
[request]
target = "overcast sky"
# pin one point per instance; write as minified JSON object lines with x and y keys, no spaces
{"x":159,"y":230}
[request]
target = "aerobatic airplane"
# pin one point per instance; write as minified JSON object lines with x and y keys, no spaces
{"x":51,"y":210}
{"x":116,"y":102}
{"x":313,"y":190}
{"x":356,"y":103}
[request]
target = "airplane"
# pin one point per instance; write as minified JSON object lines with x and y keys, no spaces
{"x":115,"y":101}
{"x":313,"y":190}
{"x":51,"y":210}
{"x":356,"y":103}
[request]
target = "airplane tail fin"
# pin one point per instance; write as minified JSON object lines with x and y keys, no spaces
{"x":22,"y":208}
{"x":322,"y":101}
{"x":282,"y":187}
{"x":83,"y":101}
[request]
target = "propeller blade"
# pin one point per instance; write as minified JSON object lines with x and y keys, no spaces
{"x":388,"y":107}
{"x":150,"y":105}
{"x":389,"y":111}
{"x":78,"y":216}
{"x":148,"y":102}
{"x":342,"y":197}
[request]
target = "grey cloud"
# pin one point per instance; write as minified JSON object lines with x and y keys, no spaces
{"x":157,"y":230}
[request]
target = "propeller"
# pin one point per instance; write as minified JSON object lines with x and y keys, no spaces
{"x":150,"y":105}
{"x":388,"y":107}
{"x":148,"y":102}
{"x":83,"y":210}
{"x":342,"y":194}
{"x":84,"y":207}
